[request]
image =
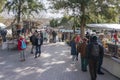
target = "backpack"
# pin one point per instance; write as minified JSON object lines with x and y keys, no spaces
{"x":95,"y":50}
{"x":23,"y":44}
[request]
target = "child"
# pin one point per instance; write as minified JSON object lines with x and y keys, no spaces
{"x":21,"y":48}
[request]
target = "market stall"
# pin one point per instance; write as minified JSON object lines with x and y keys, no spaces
{"x":111,"y":43}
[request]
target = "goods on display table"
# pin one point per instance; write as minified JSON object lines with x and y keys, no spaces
{"x":9,"y":44}
{"x":114,"y":49}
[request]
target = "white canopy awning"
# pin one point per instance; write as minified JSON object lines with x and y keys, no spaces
{"x":104,"y":26}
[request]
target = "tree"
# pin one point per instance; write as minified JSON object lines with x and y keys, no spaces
{"x":23,"y":7}
{"x":54,"y":23}
{"x":78,"y":6}
{"x":90,"y":10}
{"x":2,"y":2}
{"x":103,"y":11}
{"x":70,"y":21}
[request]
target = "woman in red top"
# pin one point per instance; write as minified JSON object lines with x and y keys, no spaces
{"x":115,"y":36}
{"x":77,"y":41}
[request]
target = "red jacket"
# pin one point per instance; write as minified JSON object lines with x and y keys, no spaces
{"x":115,"y":37}
{"x":77,"y":39}
{"x":19,"y":44}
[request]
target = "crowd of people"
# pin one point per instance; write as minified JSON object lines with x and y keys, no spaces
{"x":91,"y":53}
{"x":90,"y":48}
{"x":36,"y":40}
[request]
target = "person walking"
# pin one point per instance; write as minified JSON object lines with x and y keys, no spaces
{"x":93,"y":54}
{"x":73,"y":50}
{"x":100,"y":61}
{"x":21,"y":48}
{"x":82,"y":49}
{"x":32,"y":40}
{"x":54,"y":34}
{"x":59,"y":36}
{"x":77,"y":40}
{"x":63,"y":36}
{"x":38,"y":43}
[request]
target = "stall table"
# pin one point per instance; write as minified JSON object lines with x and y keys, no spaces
{"x":114,"y":49}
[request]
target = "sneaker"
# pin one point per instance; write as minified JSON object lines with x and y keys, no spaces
{"x":35,"y":57}
{"x":39,"y":55}
{"x":76,"y":59}
{"x":22,"y":60}
{"x":73,"y":62}
{"x":84,"y":70}
{"x":100,"y":73}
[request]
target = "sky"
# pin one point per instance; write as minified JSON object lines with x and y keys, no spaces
{"x":50,"y":13}
{"x":43,"y":14}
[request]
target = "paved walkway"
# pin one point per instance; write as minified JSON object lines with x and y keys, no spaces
{"x":54,"y":64}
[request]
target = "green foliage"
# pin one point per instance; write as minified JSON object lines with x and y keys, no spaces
{"x":54,"y":23}
{"x":65,"y":20}
{"x":2,"y":2}
{"x":104,"y":12}
{"x":90,"y":11}
{"x":99,"y":11}
{"x":23,"y":7}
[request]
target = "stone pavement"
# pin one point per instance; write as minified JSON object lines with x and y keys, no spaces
{"x":54,"y":64}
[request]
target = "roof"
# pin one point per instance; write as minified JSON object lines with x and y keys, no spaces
{"x":104,"y":26}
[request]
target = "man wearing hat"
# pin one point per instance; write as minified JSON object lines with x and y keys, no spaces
{"x":93,"y":54}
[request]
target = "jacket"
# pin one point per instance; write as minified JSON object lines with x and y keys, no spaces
{"x":32,"y":39}
{"x":20,"y":43}
{"x":36,"y":41}
{"x":82,"y":49}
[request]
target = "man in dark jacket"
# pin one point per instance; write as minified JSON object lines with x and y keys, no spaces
{"x":54,"y":34}
{"x":3,"y":34}
{"x":38,"y":43}
{"x":32,"y":40}
{"x":93,"y":58}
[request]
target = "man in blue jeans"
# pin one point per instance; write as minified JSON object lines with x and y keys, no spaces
{"x":93,"y":54}
{"x":32,"y":40}
{"x":38,"y":43}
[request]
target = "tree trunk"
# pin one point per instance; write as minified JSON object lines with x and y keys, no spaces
{"x":19,"y":12}
{"x":74,"y":20}
{"x":83,"y":21}
{"x":73,"y":29}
